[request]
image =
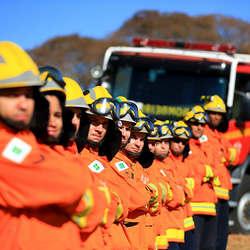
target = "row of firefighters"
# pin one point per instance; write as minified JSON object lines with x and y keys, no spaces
{"x":84,"y":170}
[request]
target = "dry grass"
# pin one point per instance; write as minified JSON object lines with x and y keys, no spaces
{"x":238,"y":242}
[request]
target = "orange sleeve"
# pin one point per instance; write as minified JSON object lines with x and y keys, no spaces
{"x":40,"y":178}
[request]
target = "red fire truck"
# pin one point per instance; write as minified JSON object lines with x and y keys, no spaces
{"x":166,"y":78}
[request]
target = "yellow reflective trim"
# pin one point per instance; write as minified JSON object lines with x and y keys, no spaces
{"x":105,"y":216}
{"x":190,"y":183}
{"x":232,"y":154}
{"x":188,"y":223}
{"x":233,"y":135}
{"x":80,"y":221}
{"x":203,"y":207}
{"x":169,"y":193}
{"x":161,"y":241}
{"x":119,"y":211}
{"x":216,"y":181}
{"x":81,"y":218}
{"x":107,"y":195}
{"x":106,"y":192}
{"x":209,"y":171}
{"x":88,"y":200}
{"x":175,"y":235}
{"x":154,"y":192}
{"x":164,"y":192}
{"x":222,"y":193}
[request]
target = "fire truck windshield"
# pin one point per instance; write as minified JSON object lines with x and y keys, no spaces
{"x":176,"y":83}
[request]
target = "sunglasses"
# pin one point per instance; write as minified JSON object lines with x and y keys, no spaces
{"x":54,"y":74}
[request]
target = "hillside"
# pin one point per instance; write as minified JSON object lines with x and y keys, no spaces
{"x":75,"y":55}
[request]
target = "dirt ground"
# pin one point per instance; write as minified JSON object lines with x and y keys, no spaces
{"x":238,"y":242}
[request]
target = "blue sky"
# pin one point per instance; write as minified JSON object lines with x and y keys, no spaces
{"x":31,"y":22}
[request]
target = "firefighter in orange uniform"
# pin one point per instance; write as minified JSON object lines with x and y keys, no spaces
{"x":183,"y":171}
{"x":101,"y":144}
{"x":225,"y":155}
{"x":38,"y":195}
{"x":76,"y":105}
{"x":59,"y":135}
{"x":171,"y":217}
{"x":128,"y":113}
{"x":143,"y":197}
{"x":204,"y":199}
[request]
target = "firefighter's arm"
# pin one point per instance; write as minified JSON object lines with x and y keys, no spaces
{"x":155,"y":200}
{"x":34,"y":184}
{"x":232,"y":154}
{"x":92,"y":209}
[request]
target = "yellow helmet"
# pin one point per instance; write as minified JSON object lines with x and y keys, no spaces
{"x":181,"y":130}
{"x":17,"y":69}
{"x":154,"y":135}
{"x":143,"y":124}
{"x":214,"y":103}
{"x":100,"y":102}
{"x":74,"y":94}
{"x":53,"y":81}
{"x":165,"y":131}
{"x":97,"y":93}
{"x":196,"y":114}
{"x":161,"y":131}
{"x":127,"y":110}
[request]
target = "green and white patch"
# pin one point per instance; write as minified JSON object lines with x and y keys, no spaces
{"x":203,"y":138}
{"x":96,"y":166}
{"x":16,"y":150}
{"x":121,"y":166}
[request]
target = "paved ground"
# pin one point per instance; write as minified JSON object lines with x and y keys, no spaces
{"x":238,"y":242}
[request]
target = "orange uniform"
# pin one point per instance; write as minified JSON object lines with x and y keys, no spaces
{"x":113,"y":236}
{"x":169,"y":222}
{"x":183,"y":172}
{"x":39,"y":192}
{"x":204,"y":199}
{"x":138,"y":222}
{"x":224,"y":155}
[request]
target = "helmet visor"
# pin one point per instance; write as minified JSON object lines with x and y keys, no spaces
{"x":128,"y":108}
{"x":144,"y":123}
{"x":54,"y":74}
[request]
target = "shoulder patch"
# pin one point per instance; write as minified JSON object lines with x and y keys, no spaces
{"x":121,"y":165}
{"x":16,"y":150}
{"x":96,"y":166}
{"x":203,"y":138}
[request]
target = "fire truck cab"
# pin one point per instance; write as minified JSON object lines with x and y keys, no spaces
{"x":167,"y":78}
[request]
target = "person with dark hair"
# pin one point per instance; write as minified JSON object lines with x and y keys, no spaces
{"x":101,"y":143}
{"x":138,"y":198}
{"x":204,"y":199}
{"x":181,"y":164}
{"x":59,"y":127}
{"x":76,"y":106}
{"x":225,"y":155}
{"x":39,"y":191}
{"x":170,"y":221}
{"x":143,"y":198}
{"x":60,"y":135}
